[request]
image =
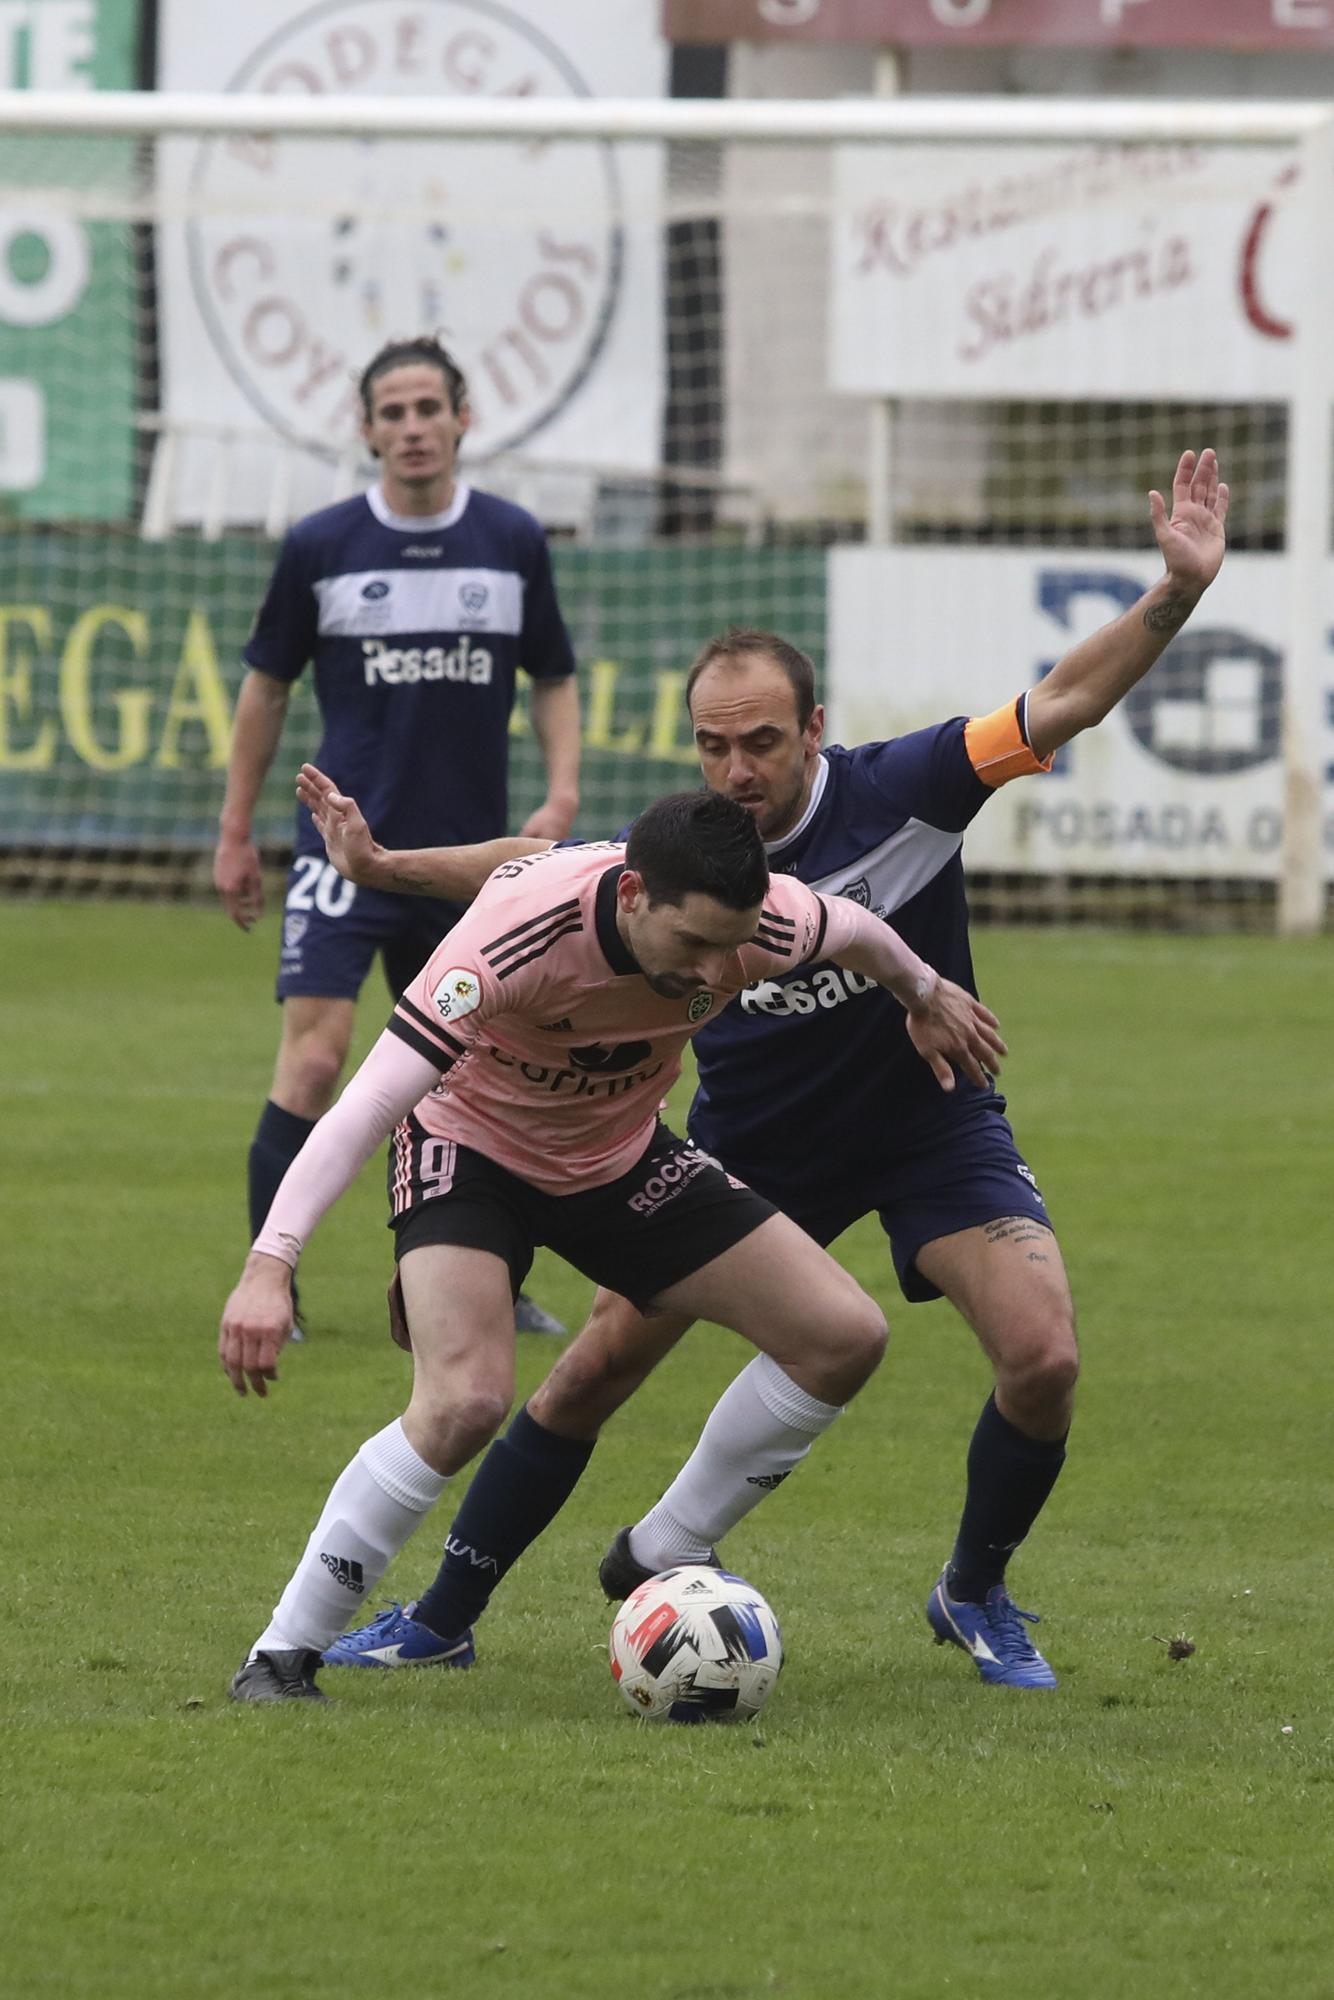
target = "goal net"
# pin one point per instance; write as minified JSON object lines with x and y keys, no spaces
{"x":892,"y":379}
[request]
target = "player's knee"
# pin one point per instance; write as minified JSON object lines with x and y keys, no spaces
{"x":481,"y":1410}
{"x":460,"y":1421}
{"x":1040,"y":1376}
{"x":854,"y":1344}
{"x":870,"y":1334}
{"x":310,"y":1072}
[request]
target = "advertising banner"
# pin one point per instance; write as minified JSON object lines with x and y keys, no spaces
{"x":285,"y":264}
{"x":67,"y":298}
{"x":1108,"y":271}
{"x":1182,"y":779}
{"x":979,"y":24}
{"x":120,"y":662}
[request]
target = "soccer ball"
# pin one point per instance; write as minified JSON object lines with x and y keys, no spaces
{"x":695,"y":1645}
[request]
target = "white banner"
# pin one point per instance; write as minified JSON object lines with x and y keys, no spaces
{"x":284,"y":264}
{"x":1144,"y":271}
{"x":1183,"y":778}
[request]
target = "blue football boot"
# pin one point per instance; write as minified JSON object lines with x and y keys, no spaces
{"x":394,"y":1639}
{"x":993,"y":1633}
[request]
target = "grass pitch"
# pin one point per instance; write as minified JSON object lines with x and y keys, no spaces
{"x":890,"y":1827}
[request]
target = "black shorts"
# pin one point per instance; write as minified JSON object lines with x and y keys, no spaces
{"x":671,"y":1214}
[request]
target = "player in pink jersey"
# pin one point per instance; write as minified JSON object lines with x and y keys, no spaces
{"x":523,"y":1069}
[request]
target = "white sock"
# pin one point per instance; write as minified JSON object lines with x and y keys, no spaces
{"x":375,"y":1504}
{"x":760,"y":1428}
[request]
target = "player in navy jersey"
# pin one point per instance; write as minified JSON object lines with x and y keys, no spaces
{"x":416,"y":602}
{"x":808,"y":1091}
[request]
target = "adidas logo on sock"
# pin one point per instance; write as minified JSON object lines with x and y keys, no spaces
{"x":768,"y":1480}
{"x":343,"y":1570}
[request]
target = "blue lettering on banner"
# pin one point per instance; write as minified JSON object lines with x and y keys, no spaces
{"x":1148,"y":829}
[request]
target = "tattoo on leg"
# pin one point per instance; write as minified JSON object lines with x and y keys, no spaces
{"x":1018,"y":1229}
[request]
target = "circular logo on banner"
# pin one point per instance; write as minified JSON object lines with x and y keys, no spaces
{"x":306,"y":255}
{"x":1213,"y":703}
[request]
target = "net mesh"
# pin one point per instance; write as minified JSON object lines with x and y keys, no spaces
{"x":673,"y":365}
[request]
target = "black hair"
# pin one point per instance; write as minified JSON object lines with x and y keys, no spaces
{"x":729,"y":646}
{"x":699,"y":843}
{"x":423,"y":351}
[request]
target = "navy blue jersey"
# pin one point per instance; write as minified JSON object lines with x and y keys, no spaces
{"x":813,"y":1071}
{"x":416,"y":627}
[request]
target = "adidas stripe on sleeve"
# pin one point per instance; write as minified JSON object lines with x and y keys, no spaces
{"x":472,"y":977}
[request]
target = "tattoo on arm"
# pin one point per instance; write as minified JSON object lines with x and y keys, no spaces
{"x":1168,"y":616}
{"x":398,"y":878}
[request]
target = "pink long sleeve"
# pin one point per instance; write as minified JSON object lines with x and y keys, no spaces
{"x":865,"y":943}
{"x":391,"y":1080}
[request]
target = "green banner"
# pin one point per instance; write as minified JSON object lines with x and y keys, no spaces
{"x":67,"y":274}
{"x":120,"y":661}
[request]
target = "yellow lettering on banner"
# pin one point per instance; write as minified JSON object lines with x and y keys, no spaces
{"x":132,"y":704}
{"x":602,"y":678}
{"x":669,"y":715}
{"x":197,"y":695}
{"x":16,"y":687}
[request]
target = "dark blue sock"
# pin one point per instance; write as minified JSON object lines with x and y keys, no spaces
{"x":278,"y":1139}
{"x":1009,"y":1478}
{"x":521,"y":1485}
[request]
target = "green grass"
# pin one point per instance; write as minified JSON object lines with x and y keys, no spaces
{"x":890,"y":1827}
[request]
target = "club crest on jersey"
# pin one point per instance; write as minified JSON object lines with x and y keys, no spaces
{"x":859,"y":892}
{"x":473,"y":596}
{"x":375,"y":590}
{"x":294,"y":929}
{"x":458,"y":993}
{"x":701,"y":1005}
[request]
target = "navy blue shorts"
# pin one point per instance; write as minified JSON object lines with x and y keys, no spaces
{"x":968,"y":1173}
{"x":332,"y":931}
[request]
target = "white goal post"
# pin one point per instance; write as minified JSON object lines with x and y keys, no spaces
{"x":128,"y":142}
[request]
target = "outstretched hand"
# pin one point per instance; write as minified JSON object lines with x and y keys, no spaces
{"x":1192,"y":537}
{"x":348,"y":841}
{"x":954,"y":1028}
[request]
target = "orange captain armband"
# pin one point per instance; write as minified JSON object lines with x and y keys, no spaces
{"x":998,"y":748}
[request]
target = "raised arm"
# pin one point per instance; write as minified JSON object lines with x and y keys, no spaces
{"x":1093,"y":677}
{"x":454,"y":873}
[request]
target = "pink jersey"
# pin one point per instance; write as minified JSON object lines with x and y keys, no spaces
{"x":555,"y":1050}
{"x":537,"y":1041}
